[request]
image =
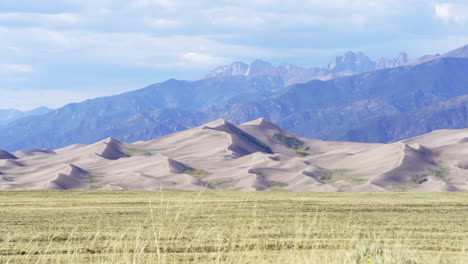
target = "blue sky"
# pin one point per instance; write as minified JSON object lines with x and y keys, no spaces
{"x":53,"y":52}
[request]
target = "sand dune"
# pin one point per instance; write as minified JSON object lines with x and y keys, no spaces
{"x":6,"y":155}
{"x":71,"y":178}
{"x":411,"y":162}
{"x":255,"y":156}
{"x":109,"y":149}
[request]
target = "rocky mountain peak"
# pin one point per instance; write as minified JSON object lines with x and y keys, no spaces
{"x":240,"y":68}
{"x":233,"y":69}
{"x":352,"y":61}
{"x":400,"y":60}
{"x":259,"y":66}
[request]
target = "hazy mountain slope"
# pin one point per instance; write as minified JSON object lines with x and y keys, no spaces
{"x":219,"y":155}
{"x":10,"y":115}
{"x":461,"y":52}
{"x":451,"y":113}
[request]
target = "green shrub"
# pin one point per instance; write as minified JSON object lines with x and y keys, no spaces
{"x":197,"y":173}
{"x":292,"y":143}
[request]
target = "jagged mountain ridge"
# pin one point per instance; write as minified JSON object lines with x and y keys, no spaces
{"x":348,"y":64}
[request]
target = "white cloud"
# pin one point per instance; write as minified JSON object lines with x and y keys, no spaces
{"x":161,"y":23}
{"x":160,"y":3}
{"x":271,"y":15}
{"x":18,"y":68}
{"x":40,"y":18}
{"x":451,"y":12}
{"x":203,"y":59}
{"x":124,"y":49}
{"x":319,"y":7}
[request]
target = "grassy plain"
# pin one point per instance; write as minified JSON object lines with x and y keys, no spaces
{"x":232,"y":227}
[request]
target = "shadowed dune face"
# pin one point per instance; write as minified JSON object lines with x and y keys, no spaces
{"x":72,"y":178}
{"x":110,"y":149}
{"x":411,"y":162}
{"x":255,"y":156}
{"x":242,"y":143}
{"x":4,"y":155}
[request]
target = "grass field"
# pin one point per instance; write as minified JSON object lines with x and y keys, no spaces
{"x":232,"y":227}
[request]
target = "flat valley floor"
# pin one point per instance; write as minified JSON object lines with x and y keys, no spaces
{"x":232,"y":227}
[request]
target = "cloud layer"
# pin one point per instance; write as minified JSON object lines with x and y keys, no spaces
{"x":452,"y":12}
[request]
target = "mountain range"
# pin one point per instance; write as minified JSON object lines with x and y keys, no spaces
{"x":349,"y":64}
{"x":353,"y":99}
{"x":254,"y":156}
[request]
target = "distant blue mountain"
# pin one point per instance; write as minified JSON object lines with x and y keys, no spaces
{"x":10,"y":115}
{"x":386,"y":101}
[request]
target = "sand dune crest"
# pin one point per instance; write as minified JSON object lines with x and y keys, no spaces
{"x":33,"y":152}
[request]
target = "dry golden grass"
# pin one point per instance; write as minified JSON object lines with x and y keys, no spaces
{"x":232,"y":227}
